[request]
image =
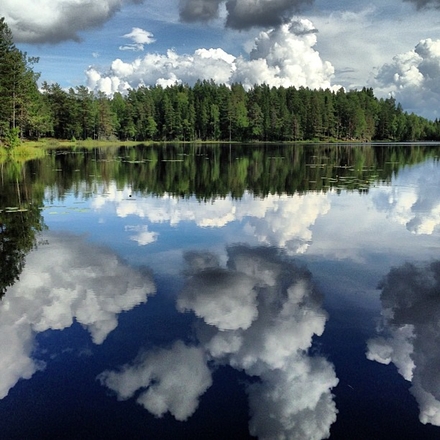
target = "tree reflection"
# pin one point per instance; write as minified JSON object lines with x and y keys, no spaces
{"x":211,"y":171}
{"x":20,"y":222}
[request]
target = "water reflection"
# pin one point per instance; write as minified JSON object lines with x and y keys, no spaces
{"x":236,"y":313}
{"x":277,"y":220}
{"x":257,"y":313}
{"x":216,"y":171}
{"x":66,"y":280}
{"x":410,"y":332}
{"x":414,"y":198}
{"x":174,"y":380}
{"x":20,"y":222}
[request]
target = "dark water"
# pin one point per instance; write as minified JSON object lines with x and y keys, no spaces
{"x":221,"y":292}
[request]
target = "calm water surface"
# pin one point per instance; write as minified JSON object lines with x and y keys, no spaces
{"x":221,"y":292}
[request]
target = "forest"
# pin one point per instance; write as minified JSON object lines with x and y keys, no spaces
{"x":206,"y":111}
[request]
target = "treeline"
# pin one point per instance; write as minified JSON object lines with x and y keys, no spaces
{"x":206,"y":111}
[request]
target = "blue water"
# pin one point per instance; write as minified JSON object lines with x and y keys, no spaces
{"x":298,"y":316}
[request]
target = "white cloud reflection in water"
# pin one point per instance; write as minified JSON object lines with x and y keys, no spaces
{"x":277,"y":220}
{"x":174,"y":380}
{"x":410,"y":332}
{"x":414,"y":198}
{"x":258,"y":314}
{"x":65,"y":281}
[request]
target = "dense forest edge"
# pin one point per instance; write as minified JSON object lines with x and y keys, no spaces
{"x":204,"y":112}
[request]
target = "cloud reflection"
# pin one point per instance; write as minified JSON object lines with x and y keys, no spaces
{"x":414,"y":198}
{"x":174,"y":380}
{"x":68,"y":280}
{"x":293,"y":398}
{"x":277,"y":220}
{"x":410,"y":333}
{"x":258,"y":314}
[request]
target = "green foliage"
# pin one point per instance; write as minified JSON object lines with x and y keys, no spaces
{"x":20,"y":221}
{"x":18,"y":88}
{"x":12,"y":138}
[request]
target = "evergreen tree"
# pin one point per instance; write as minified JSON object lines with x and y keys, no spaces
{"x":18,"y":86}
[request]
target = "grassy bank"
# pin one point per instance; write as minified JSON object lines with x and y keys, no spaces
{"x":28,"y":150}
{"x":50,"y":143}
{"x":21,"y":153}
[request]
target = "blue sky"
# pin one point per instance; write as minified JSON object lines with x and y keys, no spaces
{"x":112,"y":45}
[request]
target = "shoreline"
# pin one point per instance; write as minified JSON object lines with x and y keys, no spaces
{"x":29,"y":150}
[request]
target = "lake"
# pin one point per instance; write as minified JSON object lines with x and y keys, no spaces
{"x":221,"y":292}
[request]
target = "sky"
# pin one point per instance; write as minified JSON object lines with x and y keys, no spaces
{"x":114,"y":45}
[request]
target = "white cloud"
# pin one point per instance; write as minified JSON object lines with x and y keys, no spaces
{"x":282,"y":56}
{"x":414,"y":198}
{"x":410,"y":336}
{"x":52,"y":21}
{"x":64,"y":281}
{"x":285,"y":56}
{"x":140,"y":38}
{"x":174,"y":380}
{"x":169,"y":69}
{"x":360,"y":38}
{"x":107,"y":84}
{"x":413,"y":78}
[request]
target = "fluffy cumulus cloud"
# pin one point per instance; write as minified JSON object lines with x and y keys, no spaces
{"x":64,"y":281}
{"x":268,"y":219}
{"x":410,"y":334}
{"x":45,"y":21}
{"x":414,"y":198}
{"x":172,"y":380}
{"x":293,"y":397}
{"x":413,"y":78}
{"x":164,"y":70}
{"x":241,"y":14}
{"x":282,"y":56}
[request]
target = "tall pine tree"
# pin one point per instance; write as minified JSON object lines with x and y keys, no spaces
{"x":18,"y":87}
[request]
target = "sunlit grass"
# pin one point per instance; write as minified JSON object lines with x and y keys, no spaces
{"x":21,"y":153}
{"x":50,"y":143}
